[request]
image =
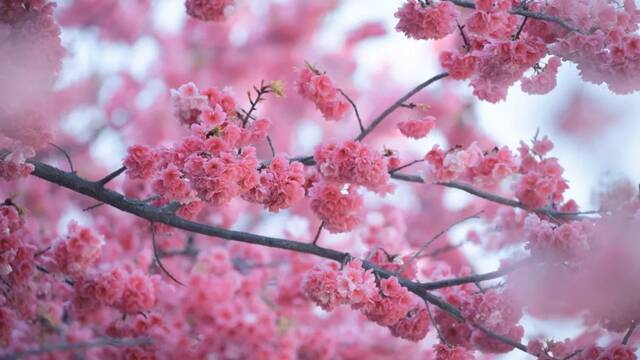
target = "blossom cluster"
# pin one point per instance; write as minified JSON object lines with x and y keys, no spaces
{"x":216,"y":162}
{"x":470,"y":164}
{"x":78,"y":251}
{"x":319,"y":88}
{"x":417,"y":128}
{"x":493,"y":310}
{"x":386,"y":302}
{"x":563,"y":241}
{"x":342,"y":169}
{"x":498,"y":47}
{"x":427,"y":22}
{"x":541,"y":183}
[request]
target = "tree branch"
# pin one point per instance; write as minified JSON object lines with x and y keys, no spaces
{"x":473,"y":279}
{"x":398,"y":104}
{"x":355,"y":108}
{"x":496,"y":198}
{"x":155,"y":214}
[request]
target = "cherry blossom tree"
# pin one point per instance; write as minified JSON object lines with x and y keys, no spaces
{"x":220,"y":235}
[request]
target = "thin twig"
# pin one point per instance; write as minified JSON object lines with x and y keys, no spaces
{"x":498,"y":199}
{"x":315,"y":239}
{"x":524,"y":22}
{"x":397,"y":104}
{"x":89,"y":208}
{"x":627,"y":336}
{"x":273,"y":150}
{"x":156,"y":255}
{"x":355,"y":108}
{"x":435,"y":325}
{"x":439,"y":284}
{"x":438,"y":235}
{"x":66,"y":155}
{"x":405,"y":166}
{"x":111,"y":176}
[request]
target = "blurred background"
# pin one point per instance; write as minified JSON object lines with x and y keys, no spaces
{"x":596,"y":133}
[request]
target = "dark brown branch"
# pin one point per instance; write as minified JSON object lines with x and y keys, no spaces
{"x":398,"y":104}
{"x":405,"y":166}
{"x":65,"y":346}
{"x":474,"y":279}
{"x":143,"y":210}
{"x":156,"y":255}
{"x":627,"y":336}
{"x":315,"y":239}
{"x":273,"y":150}
{"x":436,"y":237}
{"x":497,"y":199}
{"x":355,"y":108}
{"x":111,"y":176}
{"x":522,"y":12}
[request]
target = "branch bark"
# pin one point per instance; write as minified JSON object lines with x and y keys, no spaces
{"x":154,"y":214}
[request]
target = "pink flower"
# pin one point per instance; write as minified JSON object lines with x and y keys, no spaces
{"x":355,"y":163}
{"x":340,"y":209}
{"x":414,"y":326}
{"x":138,"y":294}
{"x":189,"y":103}
{"x":280,"y":185}
{"x":433,"y":21}
{"x":417,"y":128}
{"x":320,"y":285}
{"x":320,"y":89}
{"x":545,"y":80}
{"x":14,"y":166}
{"x":141,"y":162}
{"x":209,"y":10}
{"x":172,"y":185}
{"x":78,"y":251}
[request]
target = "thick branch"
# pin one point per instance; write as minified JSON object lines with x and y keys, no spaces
{"x":154,"y":214}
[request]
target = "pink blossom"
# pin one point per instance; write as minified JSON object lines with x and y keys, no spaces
{"x":209,"y":10}
{"x":280,"y":185}
{"x":544,"y":81}
{"x":355,"y":163}
{"x":189,"y":103}
{"x":414,"y":326}
{"x":141,"y":162}
{"x":340,"y":209}
{"x":433,"y":21}
{"x":138,"y":294}
{"x":319,"y":88}
{"x":78,"y":251}
{"x":417,"y":128}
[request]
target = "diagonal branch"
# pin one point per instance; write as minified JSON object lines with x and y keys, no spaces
{"x":496,"y":198}
{"x":398,"y":104}
{"x":474,"y":279}
{"x":155,"y":214}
